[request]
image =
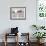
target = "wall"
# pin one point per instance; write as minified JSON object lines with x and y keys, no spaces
{"x":24,"y":25}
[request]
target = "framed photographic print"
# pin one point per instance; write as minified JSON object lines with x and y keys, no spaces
{"x":18,"y":13}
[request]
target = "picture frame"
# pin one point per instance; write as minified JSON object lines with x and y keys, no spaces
{"x":17,"y":13}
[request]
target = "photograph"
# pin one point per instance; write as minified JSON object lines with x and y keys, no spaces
{"x":17,"y":13}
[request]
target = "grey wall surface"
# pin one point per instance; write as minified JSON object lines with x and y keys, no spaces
{"x":24,"y":25}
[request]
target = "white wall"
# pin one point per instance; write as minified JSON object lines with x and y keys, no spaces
{"x":24,"y":25}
